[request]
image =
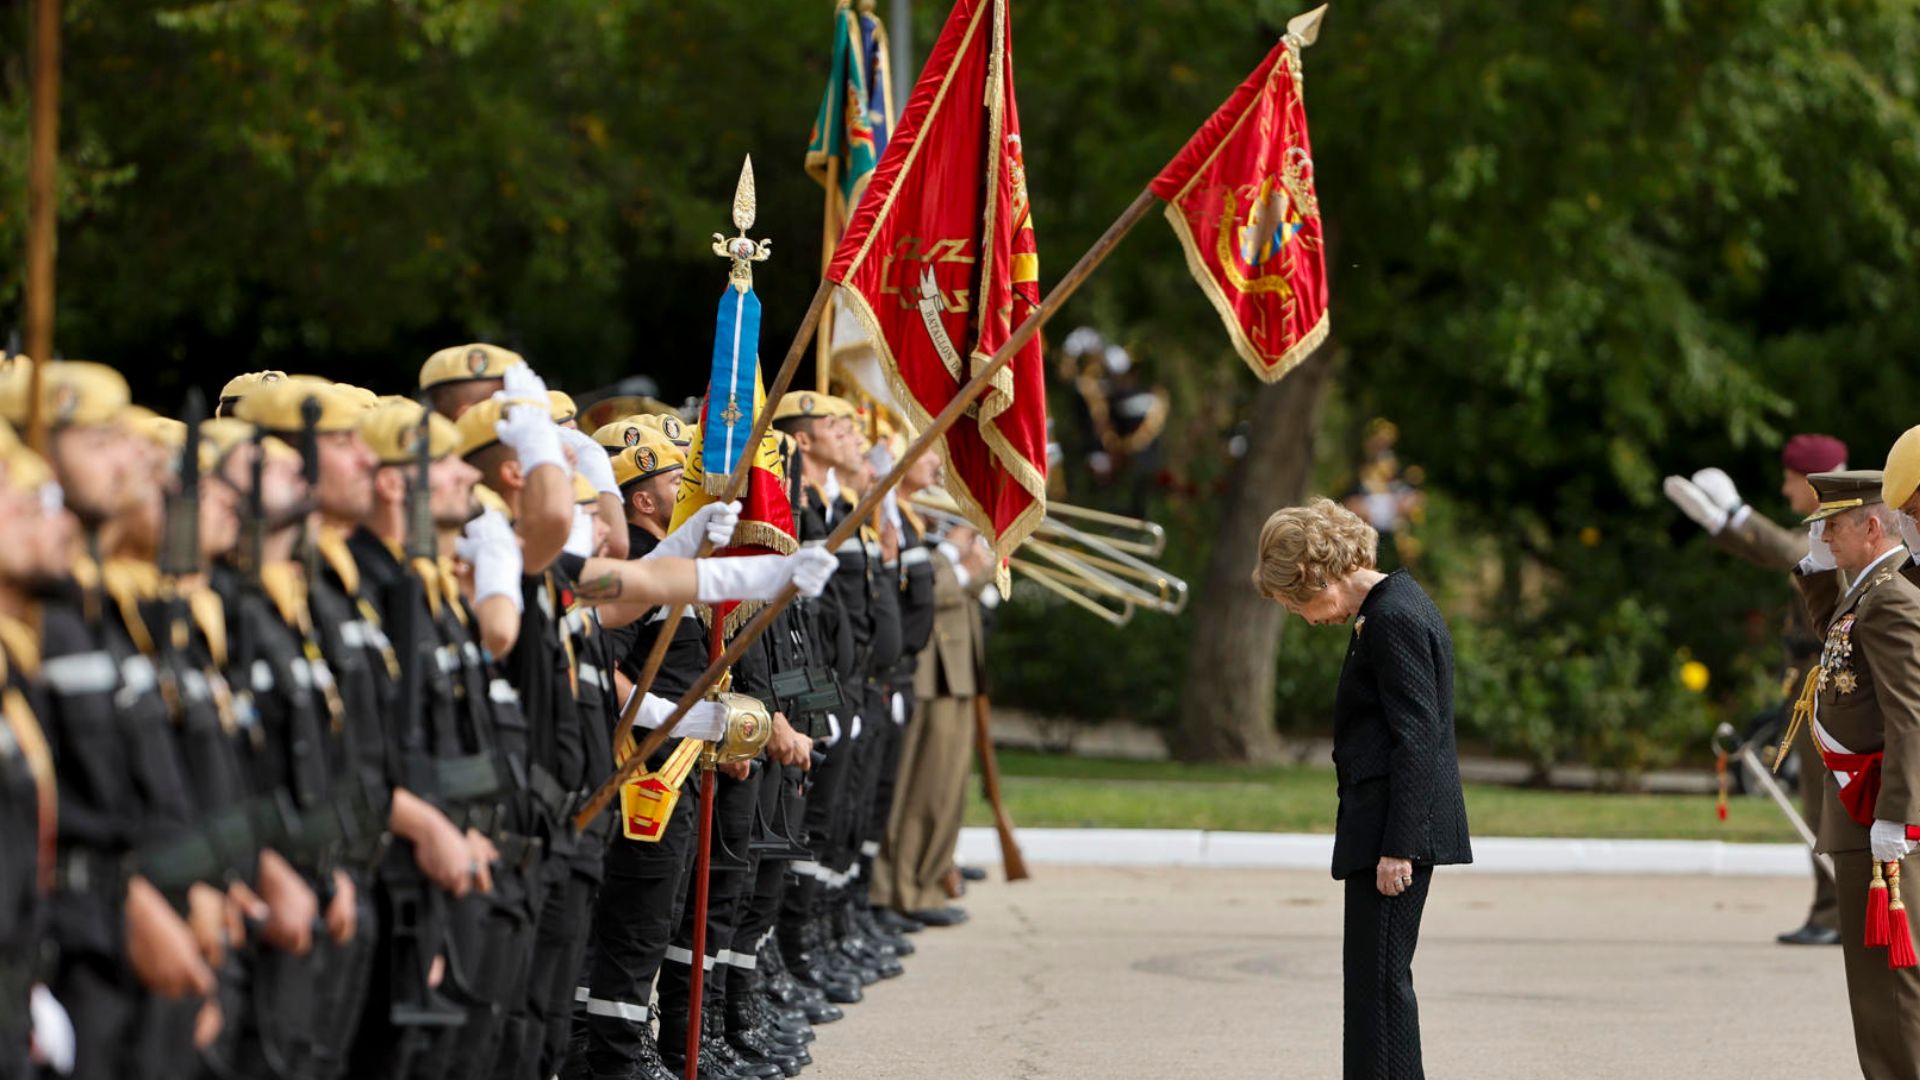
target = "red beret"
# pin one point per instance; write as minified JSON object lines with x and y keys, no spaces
{"x":1814,"y":454}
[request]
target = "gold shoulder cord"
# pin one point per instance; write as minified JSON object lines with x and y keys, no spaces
{"x":1802,"y":714}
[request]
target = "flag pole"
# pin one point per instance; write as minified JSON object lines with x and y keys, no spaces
{"x":42,"y":208}
{"x":964,"y":399}
{"x":829,"y":239}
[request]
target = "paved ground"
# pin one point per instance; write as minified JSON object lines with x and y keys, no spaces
{"x":1227,"y":973}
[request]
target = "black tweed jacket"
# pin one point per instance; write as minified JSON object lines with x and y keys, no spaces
{"x":1393,"y":744}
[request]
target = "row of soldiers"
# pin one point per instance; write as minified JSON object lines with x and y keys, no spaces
{"x":301,"y":702}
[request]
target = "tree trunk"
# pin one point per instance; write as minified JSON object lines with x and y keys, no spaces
{"x":1227,"y":709}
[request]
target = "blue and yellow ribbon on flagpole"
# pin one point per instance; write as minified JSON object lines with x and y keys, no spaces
{"x":732,"y":387}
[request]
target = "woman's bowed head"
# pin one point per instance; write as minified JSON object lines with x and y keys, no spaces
{"x":1317,"y":561}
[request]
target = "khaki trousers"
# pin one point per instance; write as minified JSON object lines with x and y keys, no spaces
{"x":928,"y":803}
{"x":1886,"y":1004}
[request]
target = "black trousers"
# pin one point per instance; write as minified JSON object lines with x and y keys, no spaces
{"x":633,"y":921}
{"x":727,"y":885}
{"x":1382,"y":1040}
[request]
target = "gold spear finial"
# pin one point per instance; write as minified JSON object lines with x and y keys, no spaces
{"x":743,"y":251}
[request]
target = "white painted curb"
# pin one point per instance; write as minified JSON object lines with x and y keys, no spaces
{"x":1304,"y":851}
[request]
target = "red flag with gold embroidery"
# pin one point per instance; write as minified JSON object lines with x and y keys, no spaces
{"x":940,"y":266}
{"x":1240,"y":195}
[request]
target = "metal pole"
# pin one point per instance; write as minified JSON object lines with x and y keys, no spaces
{"x":901,"y":29}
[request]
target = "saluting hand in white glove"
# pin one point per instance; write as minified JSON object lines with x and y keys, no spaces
{"x":1695,"y":502}
{"x":492,"y":548}
{"x":1819,"y":555}
{"x":713,"y":522}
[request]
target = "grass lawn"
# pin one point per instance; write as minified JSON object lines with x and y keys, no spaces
{"x":1058,"y":791}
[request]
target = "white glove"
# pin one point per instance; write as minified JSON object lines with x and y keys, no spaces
{"x":492,"y":548}
{"x":529,"y":431}
{"x":1889,"y":842}
{"x":580,"y":537}
{"x":1719,"y":487}
{"x":53,"y":1041}
{"x":1819,"y":555}
{"x":761,"y":577}
{"x":1696,"y":503}
{"x":853,"y":733}
{"x":713,"y":522}
{"x":591,"y":460}
{"x":833,"y":732}
{"x":899,"y":708}
{"x":706,"y":720}
{"x":524,"y":384}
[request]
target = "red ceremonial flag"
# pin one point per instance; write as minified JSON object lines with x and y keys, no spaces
{"x":1240,"y":195}
{"x":939,"y":265}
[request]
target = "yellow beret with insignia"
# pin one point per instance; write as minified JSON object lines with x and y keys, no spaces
{"x":241,"y":385}
{"x":393,"y":431}
{"x":563,"y":409}
{"x":806,"y":403}
{"x":583,"y":491}
{"x":650,"y":456}
{"x":465,"y":363}
{"x":276,"y":406}
{"x":619,"y":434}
{"x":476,"y":426}
{"x":72,"y":392}
{"x":1903,"y":469}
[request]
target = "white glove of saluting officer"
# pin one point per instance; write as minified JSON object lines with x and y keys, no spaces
{"x":1889,"y":842}
{"x":713,"y":522}
{"x":1819,"y":555}
{"x":761,"y":577}
{"x":1709,"y":498}
{"x":491,"y":547}
{"x":528,"y":428}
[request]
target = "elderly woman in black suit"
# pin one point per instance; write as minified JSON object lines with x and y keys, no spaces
{"x":1401,"y":811}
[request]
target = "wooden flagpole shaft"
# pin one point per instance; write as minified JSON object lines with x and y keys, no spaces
{"x":43,"y":197}
{"x":829,"y":239}
{"x":738,"y":484}
{"x":871,"y":501}
{"x":702,"y":886}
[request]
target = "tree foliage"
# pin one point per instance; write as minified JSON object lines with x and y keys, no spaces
{"x":1575,"y":246}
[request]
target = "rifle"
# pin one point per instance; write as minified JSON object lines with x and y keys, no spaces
{"x":419,"y":909}
{"x":1010,"y":858}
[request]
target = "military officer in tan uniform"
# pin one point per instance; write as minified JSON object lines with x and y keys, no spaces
{"x":1866,"y":723}
{"x":1712,"y":500}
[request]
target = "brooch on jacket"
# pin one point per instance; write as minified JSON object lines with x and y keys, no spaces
{"x":1836,"y":658}
{"x":1359,"y":625}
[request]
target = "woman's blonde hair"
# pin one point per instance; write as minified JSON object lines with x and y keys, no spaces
{"x":1303,"y":549}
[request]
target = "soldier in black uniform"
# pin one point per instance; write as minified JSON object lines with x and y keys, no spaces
{"x":128,"y":960}
{"x":822,"y":430}
{"x":391,"y":881}
{"x":427,"y":730}
{"x":639,"y":906}
{"x":34,"y":557}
